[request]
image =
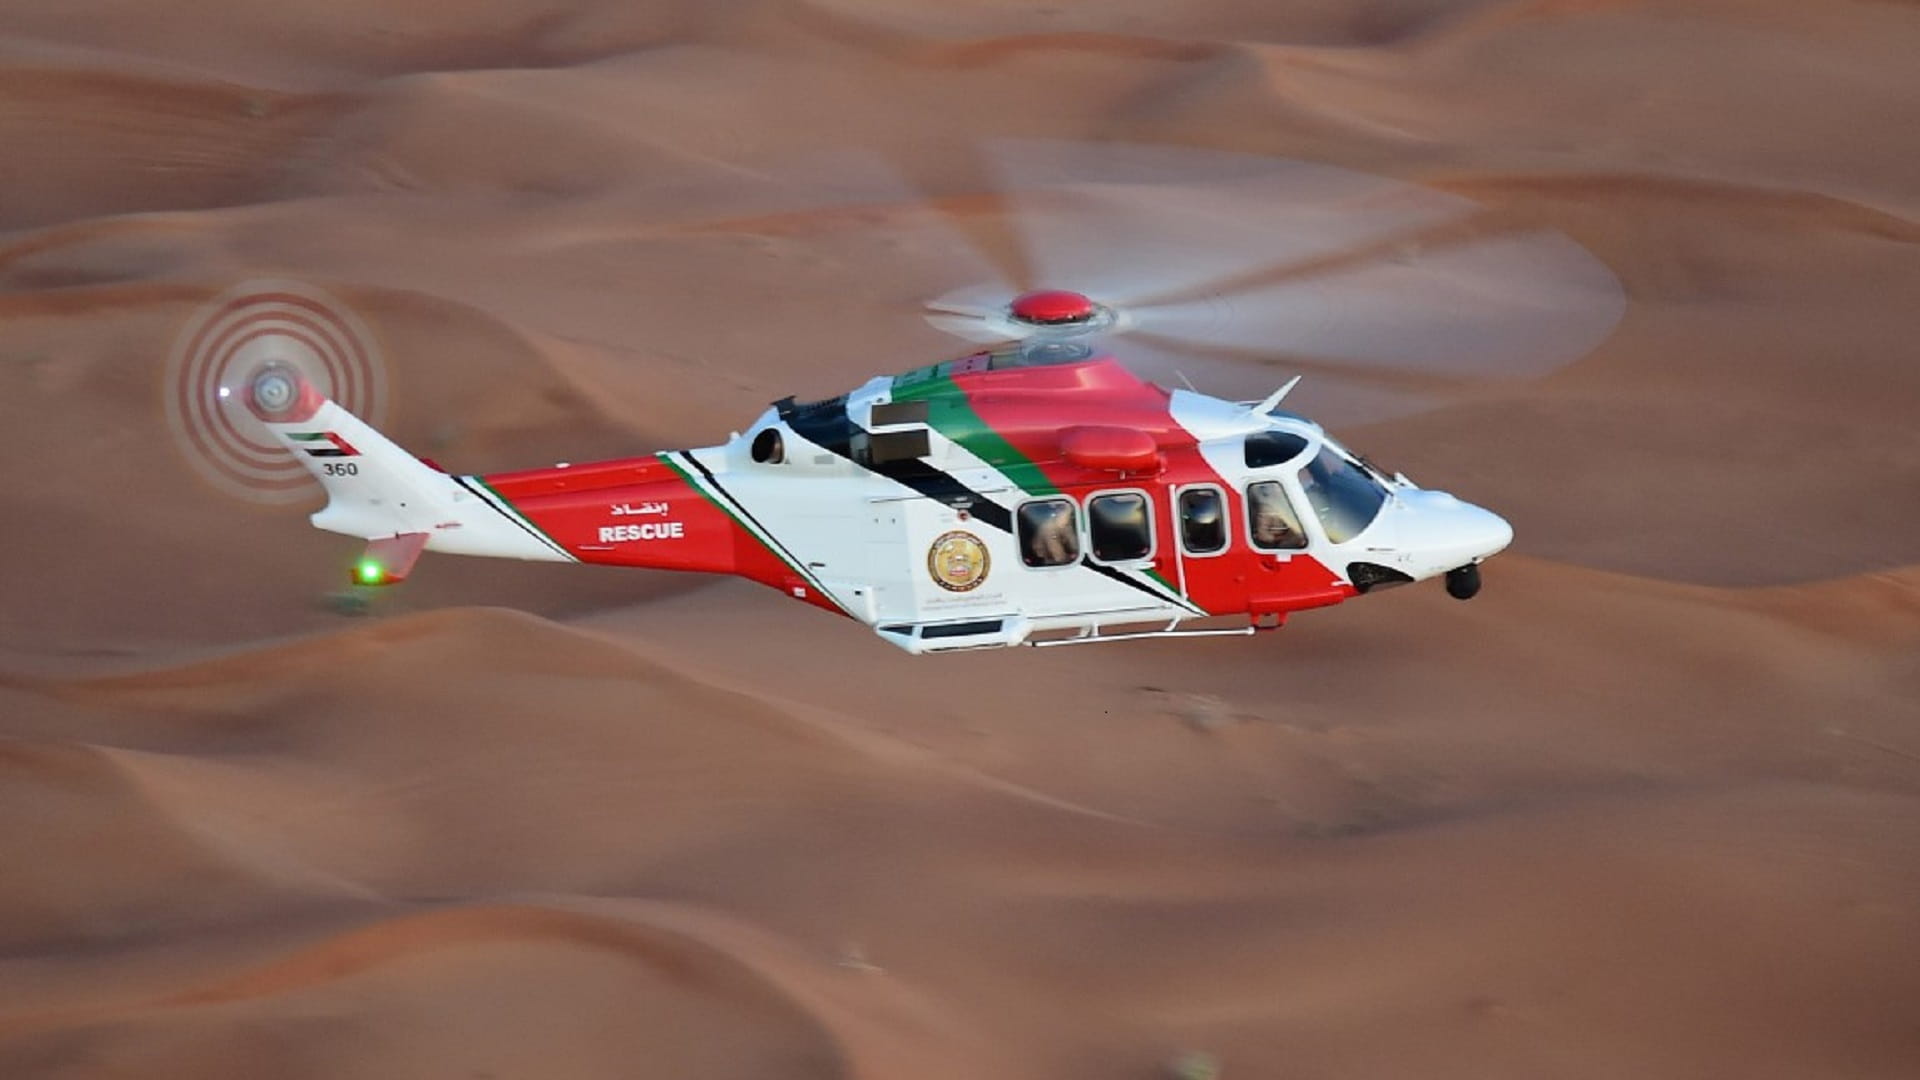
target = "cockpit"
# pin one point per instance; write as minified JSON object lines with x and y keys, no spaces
{"x":1343,"y":492}
{"x":1345,"y":495}
{"x":1300,"y":479}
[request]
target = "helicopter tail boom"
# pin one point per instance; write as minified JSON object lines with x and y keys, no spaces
{"x":380,"y":492}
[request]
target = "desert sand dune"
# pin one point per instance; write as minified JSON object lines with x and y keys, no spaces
{"x":1648,"y":807}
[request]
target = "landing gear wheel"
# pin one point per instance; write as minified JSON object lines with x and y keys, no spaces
{"x":1463,"y":582}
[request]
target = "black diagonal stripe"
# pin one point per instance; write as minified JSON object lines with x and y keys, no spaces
{"x":741,"y":508}
{"x":942,"y":487}
{"x":523,"y":526}
{"x":1108,"y":571}
{"x":827,"y":425}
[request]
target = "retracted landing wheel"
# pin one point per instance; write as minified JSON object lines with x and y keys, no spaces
{"x":1463,"y":582}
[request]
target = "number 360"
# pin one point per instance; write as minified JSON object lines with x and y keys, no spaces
{"x":340,"y":468}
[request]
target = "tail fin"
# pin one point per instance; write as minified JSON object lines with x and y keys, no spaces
{"x":376,"y":490}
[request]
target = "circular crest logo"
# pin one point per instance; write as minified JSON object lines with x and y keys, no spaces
{"x":958,"y":561}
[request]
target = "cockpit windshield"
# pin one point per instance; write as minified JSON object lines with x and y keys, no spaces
{"x":1344,"y":494}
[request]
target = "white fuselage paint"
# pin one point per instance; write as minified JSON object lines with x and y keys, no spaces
{"x":874,"y":562}
{"x":389,"y":492}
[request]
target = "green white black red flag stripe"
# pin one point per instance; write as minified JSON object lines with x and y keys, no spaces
{"x":323,"y":444}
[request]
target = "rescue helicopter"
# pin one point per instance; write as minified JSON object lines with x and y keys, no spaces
{"x":1030,"y":492}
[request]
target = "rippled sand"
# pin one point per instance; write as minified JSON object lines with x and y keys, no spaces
{"x":1649,"y":807}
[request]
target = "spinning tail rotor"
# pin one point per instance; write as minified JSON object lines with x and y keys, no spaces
{"x":314,"y":344}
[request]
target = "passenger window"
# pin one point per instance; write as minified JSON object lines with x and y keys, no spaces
{"x":1270,"y":516}
{"x":1120,"y":527}
{"x":1203,"y":520}
{"x":1049,"y":533}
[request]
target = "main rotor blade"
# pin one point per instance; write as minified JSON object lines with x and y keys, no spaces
{"x":1272,"y":363}
{"x":1214,"y":264}
{"x":1126,"y":223}
{"x":1332,"y":392}
{"x":1508,"y":305}
{"x":963,"y":189}
{"x":1466,"y":225}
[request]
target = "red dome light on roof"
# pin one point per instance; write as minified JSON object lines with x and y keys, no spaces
{"x":1053,"y":307}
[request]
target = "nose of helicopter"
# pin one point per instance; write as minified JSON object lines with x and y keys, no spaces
{"x":1444,"y":533}
{"x":1488,"y":533}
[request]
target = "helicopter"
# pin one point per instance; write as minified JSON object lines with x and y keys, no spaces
{"x":1030,"y":492}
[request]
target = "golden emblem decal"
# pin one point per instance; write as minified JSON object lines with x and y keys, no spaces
{"x":958,"y":561}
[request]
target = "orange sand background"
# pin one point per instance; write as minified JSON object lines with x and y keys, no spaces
{"x":1650,"y":807}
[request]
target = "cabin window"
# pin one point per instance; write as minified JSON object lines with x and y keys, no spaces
{"x":1049,"y":533}
{"x":1203,"y":520}
{"x":1120,"y":526}
{"x":1271,"y":518}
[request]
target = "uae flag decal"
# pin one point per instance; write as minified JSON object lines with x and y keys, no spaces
{"x":322,"y":444}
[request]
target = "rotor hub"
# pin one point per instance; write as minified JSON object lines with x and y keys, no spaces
{"x":278,"y":394}
{"x":1053,"y":307}
{"x":274,"y":390}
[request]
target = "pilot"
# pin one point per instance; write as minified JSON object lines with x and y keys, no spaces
{"x":1272,"y":520}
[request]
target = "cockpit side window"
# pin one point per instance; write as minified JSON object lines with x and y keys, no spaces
{"x":1049,"y":531}
{"x":1271,"y":518}
{"x":1203,"y":520}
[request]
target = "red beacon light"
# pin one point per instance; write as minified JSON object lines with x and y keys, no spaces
{"x":1053,"y":307}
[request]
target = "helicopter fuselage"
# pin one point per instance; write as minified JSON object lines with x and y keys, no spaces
{"x":1009,"y":498}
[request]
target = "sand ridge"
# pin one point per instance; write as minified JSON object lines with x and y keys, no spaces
{"x":1646,"y":807}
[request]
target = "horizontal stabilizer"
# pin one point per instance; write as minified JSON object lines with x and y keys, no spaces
{"x":388,"y":560}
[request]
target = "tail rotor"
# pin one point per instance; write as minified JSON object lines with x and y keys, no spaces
{"x":260,"y":346}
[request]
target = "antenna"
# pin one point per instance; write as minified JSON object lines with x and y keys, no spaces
{"x":1184,"y":379}
{"x":1275,"y":398}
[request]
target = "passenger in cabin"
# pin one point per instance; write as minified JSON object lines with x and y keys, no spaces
{"x":1055,"y":541}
